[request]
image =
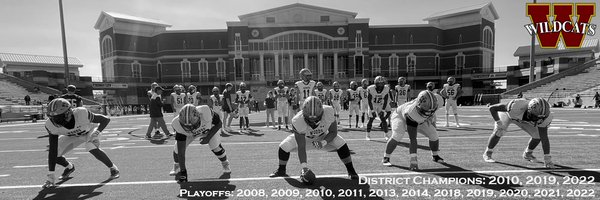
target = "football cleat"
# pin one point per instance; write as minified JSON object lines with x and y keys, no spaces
{"x":457,"y":125}
{"x":353,"y":176}
{"x":438,"y":159}
{"x":175,"y":169}
{"x":368,"y":136}
{"x":67,"y":173}
{"x":48,"y":184}
{"x":386,"y":161}
{"x":529,"y":157}
{"x":414,"y":164}
{"x":226,"y":168}
{"x":386,"y":136}
{"x":278,"y":173}
{"x":447,"y":125}
{"x":181,"y":176}
{"x":114,"y":174}
{"x":487,"y":157}
{"x":548,"y":162}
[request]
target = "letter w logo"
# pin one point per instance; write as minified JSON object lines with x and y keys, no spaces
{"x":548,"y":32}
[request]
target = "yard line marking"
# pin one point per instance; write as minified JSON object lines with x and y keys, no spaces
{"x":73,"y":158}
{"x":296,"y":177}
{"x":1,"y":132}
{"x":25,"y":124}
{"x":80,"y":153}
{"x":123,"y":143}
{"x":4,"y":175}
{"x":29,"y":166}
{"x":5,"y":139}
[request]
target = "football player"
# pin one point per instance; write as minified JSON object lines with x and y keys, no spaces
{"x":378,"y":100}
{"x":313,"y":128}
{"x":243,"y":99}
{"x":354,"y":98}
{"x":215,"y":103}
{"x":320,"y":92}
{"x":391,"y":102}
{"x":178,"y":99}
{"x":282,"y":94}
{"x":293,"y":103}
{"x":440,"y":100}
{"x":228,"y":107}
{"x":68,"y":128}
{"x":305,"y":87}
{"x":73,"y":98}
{"x":412,"y":117}
{"x":532,"y":116}
{"x":451,"y":92}
{"x":364,"y":101}
{"x":196,"y":122}
{"x":402,"y":91}
{"x":335,"y":95}
{"x":193,"y":96}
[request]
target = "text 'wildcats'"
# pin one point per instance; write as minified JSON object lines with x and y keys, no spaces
{"x":550,"y":31}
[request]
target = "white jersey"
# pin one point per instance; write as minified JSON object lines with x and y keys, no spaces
{"x":318,"y":133}
{"x":336,"y":96}
{"x":517,"y":108}
{"x":305,"y":90}
{"x":363,"y":94}
{"x":402,"y":93}
{"x":243,"y":98}
{"x":193,"y":98}
{"x":377,"y":98}
{"x":322,"y":94}
{"x":353,"y":96}
{"x":451,"y":90}
{"x":83,"y":124}
{"x":410,"y":110}
{"x":206,"y":123}
{"x":178,"y":99}
{"x":216,"y":100}
{"x":281,"y":94}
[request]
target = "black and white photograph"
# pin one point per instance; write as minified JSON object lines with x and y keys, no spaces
{"x":299,"y":99}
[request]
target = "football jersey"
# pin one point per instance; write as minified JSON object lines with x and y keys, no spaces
{"x":409,"y":109}
{"x":402,"y":93}
{"x":377,"y":98}
{"x":322,"y":94}
{"x":305,"y":89}
{"x":74,"y":99}
{"x":193,"y":98}
{"x":281,"y":94}
{"x":179,"y":99}
{"x":363,"y":94}
{"x":206,"y":123}
{"x":216,"y":100}
{"x":336,"y":95}
{"x":451,"y":90}
{"x":83,"y":124}
{"x":353,"y":96}
{"x":318,"y":133}
{"x":517,"y":108}
{"x":243,"y":98}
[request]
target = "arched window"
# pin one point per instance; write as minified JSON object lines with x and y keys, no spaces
{"x":220,"y":68}
{"x":411,"y":62}
{"x":185,"y":69}
{"x":376,"y":63}
{"x":136,"y":69}
{"x":488,"y":37}
{"x":203,"y":69}
{"x":459,"y":61}
{"x":393,"y":63}
{"x":460,"y":39}
{"x":106,"y":47}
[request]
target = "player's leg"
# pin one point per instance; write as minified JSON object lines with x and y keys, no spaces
{"x":65,"y":145}
{"x":179,"y":164}
{"x":497,"y":133}
{"x":246,"y":118}
{"x":215,"y":145}
{"x":398,"y":130}
{"x":283,"y":152}
{"x":370,"y":124}
{"x":534,"y":141}
{"x":455,"y":111}
{"x":344,"y":153}
{"x":383,"y":117}
{"x":92,"y":145}
{"x":163,"y":125}
{"x":447,"y":108}
{"x":430,"y":132}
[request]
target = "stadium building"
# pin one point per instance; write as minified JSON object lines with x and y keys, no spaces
{"x":265,"y":46}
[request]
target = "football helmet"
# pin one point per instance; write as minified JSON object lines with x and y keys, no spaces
{"x":538,"y":109}
{"x":306,"y":74}
{"x":228,"y":85}
{"x":430,"y":86}
{"x":177,"y":89}
{"x":281,"y":83}
{"x":59,"y":111}
{"x":379,"y":82}
{"x":451,"y":80}
{"x":320,"y":85}
{"x":189,"y":117}
{"x":312,"y":110}
{"x":353,"y":85}
{"x":401,"y":81}
{"x":336,"y":85}
{"x":243,"y":86}
{"x":71,"y":88}
{"x":426,"y":103}
{"x":216,"y":91}
{"x":192,"y":89}
{"x":365,"y":83}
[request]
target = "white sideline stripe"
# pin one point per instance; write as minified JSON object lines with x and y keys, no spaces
{"x":4,"y":175}
{"x":29,"y":166}
{"x":73,"y":158}
{"x":123,"y":143}
{"x":296,"y":177}
{"x":8,"y":132}
{"x":4,"y":139}
{"x":277,"y":142}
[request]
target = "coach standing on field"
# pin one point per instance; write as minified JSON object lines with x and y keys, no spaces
{"x":156,"y":115}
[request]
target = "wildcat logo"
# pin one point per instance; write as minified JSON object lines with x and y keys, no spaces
{"x":562,"y":26}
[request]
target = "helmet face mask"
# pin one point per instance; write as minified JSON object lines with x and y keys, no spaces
{"x":401,"y":81}
{"x":281,"y":83}
{"x":243,"y":86}
{"x":319,"y":86}
{"x":365,"y":83}
{"x":379,"y":82}
{"x":538,"y":110}
{"x":216,"y":91}
{"x":192,"y":89}
{"x":451,"y":80}
{"x":312,"y":111}
{"x":62,"y":119}
{"x":426,"y":103}
{"x":189,"y":118}
{"x":336,"y":86}
{"x":306,"y":75}
{"x":353,"y":85}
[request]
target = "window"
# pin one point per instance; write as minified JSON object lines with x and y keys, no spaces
{"x":437,"y":63}
{"x":220,"y":68}
{"x":410,"y":40}
{"x":270,"y":68}
{"x":159,"y":71}
{"x":376,"y":63}
{"x":324,"y":18}
{"x":185,"y":69}
{"x":411,"y":62}
{"x":376,"y":40}
{"x":270,"y":19}
{"x":394,"y":39}
{"x":358,"y":40}
{"x":488,"y":38}
{"x":460,"y":40}
{"x":203,"y":69}
{"x":201,"y":44}
{"x":393,"y":63}
{"x":107,"y":47}
{"x":255,"y":68}
{"x":328,"y":66}
{"x":237,"y":43}
{"x":136,"y":69}
{"x":358,"y":62}
{"x":459,"y":61}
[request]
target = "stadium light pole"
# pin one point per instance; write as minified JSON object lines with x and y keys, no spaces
{"x":64,"y":43}
{"x":532,"y":57}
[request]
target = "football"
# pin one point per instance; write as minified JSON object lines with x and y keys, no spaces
{"x":307,"y":177}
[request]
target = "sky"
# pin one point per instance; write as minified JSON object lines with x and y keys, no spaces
{"x":33,"y":26}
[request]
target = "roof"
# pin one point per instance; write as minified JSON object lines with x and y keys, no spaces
{"x":38,"y":59}
{"x":353,"y":14}
{"x":587,"y":45}
{"x":129,"y":18}
{"x":462,"y":11}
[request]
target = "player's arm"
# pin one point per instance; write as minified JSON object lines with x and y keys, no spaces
{"x":100,"y":119}
{"x":385,"y":101}
{"x":407,"y":96}
{"x":181,"y":138}
{"x":173,"y":101}
{"x":459,"y":92}
{"x":370,"y":98}
{"x":332,"y":133}
{"x":227,"y":99}
{"x":494,"y":109}
{"x":301,"y":141}
{"x":79,"y":101}
{"x":443,"y":93}
{"x":211,"y":103}
{"x":216,"y":121}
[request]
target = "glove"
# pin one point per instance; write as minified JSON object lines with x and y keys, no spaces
{"x":49,"y":181}
{"x":548,"y":162}
{"x":319,"y":144}
{"x":204,"y":140}
{"x":499,"y":125}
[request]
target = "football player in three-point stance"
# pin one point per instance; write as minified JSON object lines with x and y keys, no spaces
{"x":178,"y":99}
{"x":451,"y":91}
{"x":193,"y":96}
{"x":282,"y":94}
{"x":378,"y":100}
{"x":321,"y":93}
{"x":313,"y":128}
{"x":191,"y":123}
{"x":335,"y":95}
{"x":243,"y":99}
{"x":364,"y":101}
{"x":412,"y":117}
{"x":305,"y":87}
{"x":533,"y":116}
{"x":354,"y":98}
{"x":68,"y":128}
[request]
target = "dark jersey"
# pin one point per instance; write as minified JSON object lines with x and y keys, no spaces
{"x":74,"y":99}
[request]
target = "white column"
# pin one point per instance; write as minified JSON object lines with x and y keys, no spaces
{"x":335,"y":65}
{"x":292,"y":64}
{"x":306,"y":60}
{"x":276,"y":65}
{"x":262,"y":67}
{"x":320,"y":66}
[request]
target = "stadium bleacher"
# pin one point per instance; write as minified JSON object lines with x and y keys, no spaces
{"x":13,"y":94}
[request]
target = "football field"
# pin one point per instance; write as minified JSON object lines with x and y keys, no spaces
{"x":144,"y":165}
